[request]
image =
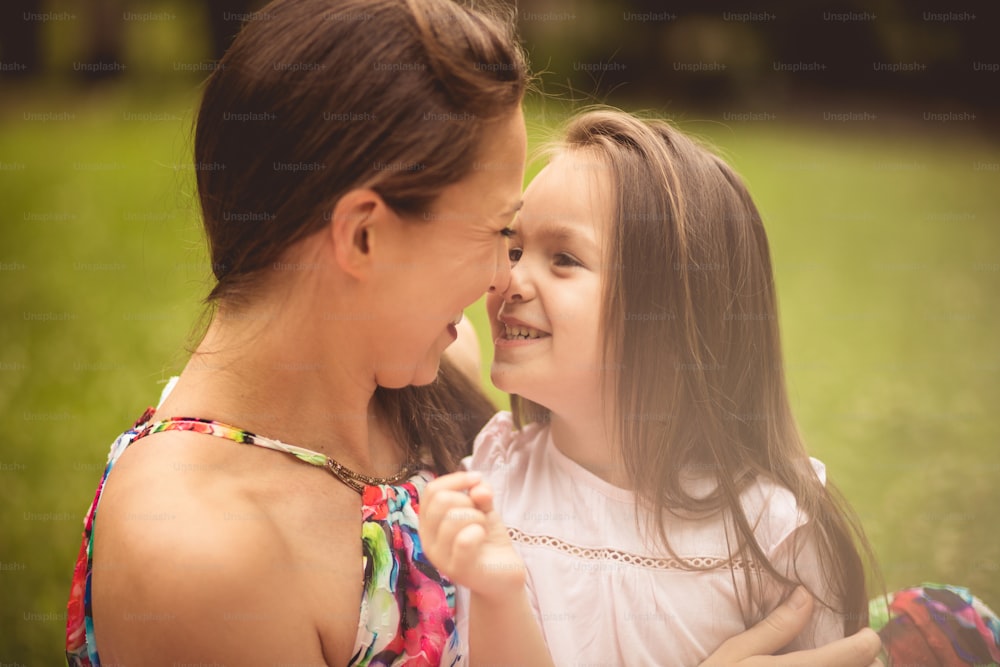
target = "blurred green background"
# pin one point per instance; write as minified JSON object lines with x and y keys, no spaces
{"x":885,"y":232}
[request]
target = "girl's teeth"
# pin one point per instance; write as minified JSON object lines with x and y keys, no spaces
{"x":521,"y":332}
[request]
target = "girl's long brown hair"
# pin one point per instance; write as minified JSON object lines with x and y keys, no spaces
{"x":690,"y":319}
{"x":318,"y":97}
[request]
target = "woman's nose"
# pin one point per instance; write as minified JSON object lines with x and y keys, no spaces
{"x":502,"y":273}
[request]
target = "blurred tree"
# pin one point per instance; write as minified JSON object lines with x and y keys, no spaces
{"x":225,"y":17}
{"x":707,"y":53}
{"x":20,"y":41}
{"x":101,"y":26}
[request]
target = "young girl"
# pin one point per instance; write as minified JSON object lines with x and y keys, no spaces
{"x":651,"y":477}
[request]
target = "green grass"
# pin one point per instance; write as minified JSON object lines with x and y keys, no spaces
{"x":887,"y":255}
{"x":887,"y":258}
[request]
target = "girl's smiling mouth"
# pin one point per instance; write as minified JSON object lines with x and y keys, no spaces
{"x":513,"y":331}
{"x":521,"y":333}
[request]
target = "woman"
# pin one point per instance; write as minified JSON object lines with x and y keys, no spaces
{"x":338,"y":148}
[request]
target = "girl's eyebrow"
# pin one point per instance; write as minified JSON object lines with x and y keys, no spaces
{"x":556,"y":232}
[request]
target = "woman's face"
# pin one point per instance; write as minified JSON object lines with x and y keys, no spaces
{"x":448,"y":259}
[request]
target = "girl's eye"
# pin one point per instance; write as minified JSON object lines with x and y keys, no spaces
{"x":564,"y":259}
{"x":514,"y":254}
{"x":506,"y":232}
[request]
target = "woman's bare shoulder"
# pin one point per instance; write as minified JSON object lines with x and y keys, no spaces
{"x":199,"y":559}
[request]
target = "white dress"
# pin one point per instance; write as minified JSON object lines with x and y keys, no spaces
{"x":601,"y":594}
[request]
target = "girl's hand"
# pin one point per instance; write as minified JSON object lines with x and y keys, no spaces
{"x":754,"y":647}
{"x":465,"y":539}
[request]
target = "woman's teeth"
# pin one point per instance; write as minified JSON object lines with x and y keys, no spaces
{"x":514,"y":333}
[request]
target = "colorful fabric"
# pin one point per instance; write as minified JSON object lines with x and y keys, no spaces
{"x":936,"y":625}
{"x":407,"y":607}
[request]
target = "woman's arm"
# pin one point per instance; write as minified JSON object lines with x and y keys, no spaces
{"x":194,"y":566}
{"x":756,"y":646}
{"x":192,"y":607}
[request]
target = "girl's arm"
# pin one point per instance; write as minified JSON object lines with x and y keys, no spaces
{"x":466,"y":541}
{"x":504,"y":632}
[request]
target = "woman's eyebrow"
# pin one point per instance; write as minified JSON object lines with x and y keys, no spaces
{"x":513,"y":209}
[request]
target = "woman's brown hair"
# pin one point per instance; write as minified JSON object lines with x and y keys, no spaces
{"x":318,"y":97}
{"x":690,"y":320}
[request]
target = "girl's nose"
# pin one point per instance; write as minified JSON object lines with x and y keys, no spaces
{"x":520,"y":287}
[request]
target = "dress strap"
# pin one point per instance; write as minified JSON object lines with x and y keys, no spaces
{"x":355,"y":480}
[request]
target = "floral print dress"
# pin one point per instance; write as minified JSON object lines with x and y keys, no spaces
{"x":407,"y":608}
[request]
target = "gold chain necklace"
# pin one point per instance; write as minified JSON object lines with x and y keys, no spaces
{"x":358,"y":481}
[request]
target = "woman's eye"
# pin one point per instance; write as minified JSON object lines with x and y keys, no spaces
{"x":514,"y":254}
{"x":563,"y":259}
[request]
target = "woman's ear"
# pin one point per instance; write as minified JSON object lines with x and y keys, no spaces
{"x":353,"y":223}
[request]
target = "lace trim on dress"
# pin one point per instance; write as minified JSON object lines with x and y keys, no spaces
{"x":618,"y":556}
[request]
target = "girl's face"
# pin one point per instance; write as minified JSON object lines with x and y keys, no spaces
{"x":546,"y":323}
{"x":442,"y":263}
